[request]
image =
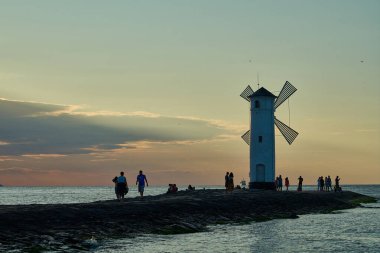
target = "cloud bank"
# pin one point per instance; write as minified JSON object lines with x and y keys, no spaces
{"x":32,"y":128}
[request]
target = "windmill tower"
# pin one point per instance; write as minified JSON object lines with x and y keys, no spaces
{"x":260,"y":137}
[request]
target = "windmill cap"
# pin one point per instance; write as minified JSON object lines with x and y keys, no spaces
{"x":262,"y":92}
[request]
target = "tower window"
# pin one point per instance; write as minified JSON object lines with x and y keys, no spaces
{"x":257,"y":104}
{"x":260,"y":139}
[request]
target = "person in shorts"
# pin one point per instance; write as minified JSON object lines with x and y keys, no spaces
{"x":140,"y":181}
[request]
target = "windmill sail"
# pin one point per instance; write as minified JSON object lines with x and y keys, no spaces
{"x":289,"y":134}
{"x":247,"y":137}
{"x":246,"y":93}
{"x":287,"y":90}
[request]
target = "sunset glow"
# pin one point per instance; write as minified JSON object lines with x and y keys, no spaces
{"x":91,"y":88}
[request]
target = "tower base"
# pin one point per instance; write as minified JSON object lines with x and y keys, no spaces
{"x":262,"y":185}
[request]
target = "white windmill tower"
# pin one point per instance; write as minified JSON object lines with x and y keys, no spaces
{"x":260,"y":137}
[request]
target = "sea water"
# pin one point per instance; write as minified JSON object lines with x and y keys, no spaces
{"x":66,"y":195}
{"x":353,"y":230}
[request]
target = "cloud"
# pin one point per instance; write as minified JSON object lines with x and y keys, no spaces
{"x":8,"y":158}
{"x":34,"y":129}
{"x":41,"y":156}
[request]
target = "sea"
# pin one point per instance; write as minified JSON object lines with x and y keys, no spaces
{"x":353,"y":230}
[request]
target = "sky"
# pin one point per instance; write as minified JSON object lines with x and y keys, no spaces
{"x":90,"y":88}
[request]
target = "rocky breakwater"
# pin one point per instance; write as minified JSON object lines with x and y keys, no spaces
{"x":66,"y":227}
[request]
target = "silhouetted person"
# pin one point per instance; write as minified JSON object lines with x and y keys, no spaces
{"x":114,"y":180}
{"x":190,"y":188}
{"x":287,"y":183}
{"x":231,"y":181}
{"x":226,"y":180}
{"x":280,"y":183}
{"x":337,"y":179}
{"x":172,"y":188}
{"x":276,"y":183}
{"x":300,"y":180}
{"x":121,"y":186}
{"x":322,"y":183}
{"x":141,"y":180}
{"x":337,"y":186}
{"x":319,"y":184}
{"x":328,"y":183}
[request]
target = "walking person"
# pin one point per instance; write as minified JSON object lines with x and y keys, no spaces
{"x":121,"y":186}
{"x":141,"y":180}
{"x":287,"y":183}
{"x":300,"y":180}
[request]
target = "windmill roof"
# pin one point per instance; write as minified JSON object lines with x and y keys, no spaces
{"x":262,"y":92}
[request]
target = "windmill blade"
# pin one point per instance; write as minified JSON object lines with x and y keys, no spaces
{"x":287,"y":90}
{"x":246,"y":93}
{"x":289,"y":134}
{"x":247,"y":137}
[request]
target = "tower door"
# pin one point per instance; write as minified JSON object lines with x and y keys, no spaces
{"x":260,"y":173}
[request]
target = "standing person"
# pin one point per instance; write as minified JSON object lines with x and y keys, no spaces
{"x":141,"y":179}
{"x":121,"y":186}
{"x":115,"y":183}
{"x":322,"y":183}
{"x":329,"y":183}
{"x":337,"y":187}
{"x":226,"y":180}
{"x":280,"y":183}
{"x":231,"y":181}
{"x":287,"y":183}
{"x":326,"y":184}
{"x":319,"y":184}
{"x":276,"y":183}
{"x":300,"y":180}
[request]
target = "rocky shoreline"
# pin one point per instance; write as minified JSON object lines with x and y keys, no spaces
{"x":75,"y":227}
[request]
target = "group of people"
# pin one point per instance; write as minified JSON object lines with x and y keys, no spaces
{"x":229,"y":181}
{"x":172,"y":188}
{"x":278,"y":183}
{"x":324,"y":184}
{"x":121,"y":185}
